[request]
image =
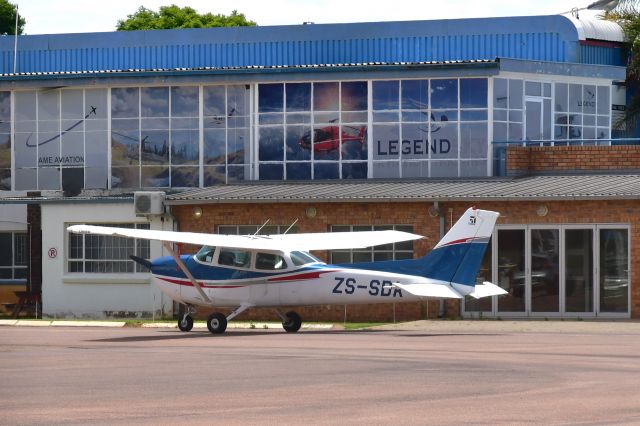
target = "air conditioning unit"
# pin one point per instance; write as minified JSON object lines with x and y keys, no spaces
{"x":148,"y":203}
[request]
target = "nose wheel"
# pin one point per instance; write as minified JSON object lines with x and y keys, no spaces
{"x":186,"y":322}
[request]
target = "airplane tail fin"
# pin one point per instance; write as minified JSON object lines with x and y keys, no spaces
{"x":456,"y":259}
{"x":458,"y":255}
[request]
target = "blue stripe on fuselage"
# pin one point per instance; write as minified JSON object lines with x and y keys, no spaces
{"x":166,"y":266}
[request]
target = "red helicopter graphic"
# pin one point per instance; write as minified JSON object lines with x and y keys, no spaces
{"x":328,"y":138}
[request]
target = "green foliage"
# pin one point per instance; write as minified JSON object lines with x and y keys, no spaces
{"x":8,"y":19}
{"x":627,"y":15}
{"x":169,"y":17}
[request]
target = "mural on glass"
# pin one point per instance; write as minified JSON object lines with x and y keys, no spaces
{"x":227,"y":140}
{"x":419,"y":128}
{"x":155,"y":137}
{"x":324,"y":138}
{"x":61,"y":139}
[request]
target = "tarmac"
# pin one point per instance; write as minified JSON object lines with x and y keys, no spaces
{"x":434,"y":326}
{"x":424,"y":372}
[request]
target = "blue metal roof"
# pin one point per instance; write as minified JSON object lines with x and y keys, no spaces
{"x":543,"y":38}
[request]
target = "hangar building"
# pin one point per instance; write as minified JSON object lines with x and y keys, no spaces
{"x":341,"y":126}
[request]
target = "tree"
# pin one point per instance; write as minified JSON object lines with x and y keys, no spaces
{"x":627,"y":15}
{"x":8,"y":19}
{"x":175,"y":17}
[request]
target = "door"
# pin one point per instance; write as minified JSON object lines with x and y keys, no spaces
{"x":544,"y":276}
{"x":533,"y":119}
{"x":511,"y":270}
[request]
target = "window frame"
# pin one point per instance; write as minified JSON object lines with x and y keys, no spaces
{"x":375,"y":249}
{"x":14,"y":245}
{"x":139,"y":245}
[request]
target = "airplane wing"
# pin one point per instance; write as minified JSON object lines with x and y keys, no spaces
{"x":304,"y":242}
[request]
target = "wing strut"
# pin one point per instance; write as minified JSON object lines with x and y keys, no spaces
{"x":186,"y":271}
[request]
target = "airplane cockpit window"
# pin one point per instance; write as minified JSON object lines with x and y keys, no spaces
{"x":235,"y":258}
{"x":300,"y":258}
{"x":270,"y":261}
{"x":205,"y":254}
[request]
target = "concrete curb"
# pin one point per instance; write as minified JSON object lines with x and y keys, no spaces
{"x":116,"y":324}
{"x":88,"y":323}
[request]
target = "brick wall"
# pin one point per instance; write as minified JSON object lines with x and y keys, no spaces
{"x":415,"y":214}
{"x":549,"y":159}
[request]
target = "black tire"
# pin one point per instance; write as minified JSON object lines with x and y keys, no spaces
{"x":217,"y":323}
{"x":292,"y":323}
{"x":185,"y":323}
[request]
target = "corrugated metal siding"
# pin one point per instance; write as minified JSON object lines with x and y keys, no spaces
{"x":600,"y":55}
{"x":544,"y":47}
{"x":543,"y":38}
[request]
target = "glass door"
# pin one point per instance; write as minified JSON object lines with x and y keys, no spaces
{"x":614,"y":270}
{"x":533,"y":119}
{"x":578,"y":270}
{"x":511,"y":270}
{"x":544,"y":258}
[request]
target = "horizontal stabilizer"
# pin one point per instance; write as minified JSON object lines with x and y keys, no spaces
{"x":487,"y":289}
{"x":430,"y":290}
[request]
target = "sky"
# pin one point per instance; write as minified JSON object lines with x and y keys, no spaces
{"x":80,"y":16}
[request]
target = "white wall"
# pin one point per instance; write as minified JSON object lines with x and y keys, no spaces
{"x":81,"y":295}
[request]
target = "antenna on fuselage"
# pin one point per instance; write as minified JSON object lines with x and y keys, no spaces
{"x":289,"y":228}
{"x":260,"y":229}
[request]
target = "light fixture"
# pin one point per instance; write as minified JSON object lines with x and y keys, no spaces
{"x":310,"y":212}
{"x":434,"y":211}
{"x":197,"y":212}
{"x":542,"y":210}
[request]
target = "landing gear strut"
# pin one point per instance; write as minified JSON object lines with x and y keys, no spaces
{"x":186,"y":322}
{"x":291,"y":322}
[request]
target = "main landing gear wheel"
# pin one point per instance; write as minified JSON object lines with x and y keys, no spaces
{"x":185,"y":323}
{"x":217,"y":323}
{"x":292,"y":322}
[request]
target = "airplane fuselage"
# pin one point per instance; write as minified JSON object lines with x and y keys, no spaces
{"x":313,"y":284}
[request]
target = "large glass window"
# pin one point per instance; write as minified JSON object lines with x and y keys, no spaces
{"x":312,"y":130}
{"x":106,"y":254}
{"x":61,"y":139}
{"x":226,"y":152}
{"x":15,"y":251}
{"x":396,"y":251}
{"x":155,"y":137}
{"x":581,"y":112}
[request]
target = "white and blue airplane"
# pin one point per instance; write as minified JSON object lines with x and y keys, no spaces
{"x":276,"y":271}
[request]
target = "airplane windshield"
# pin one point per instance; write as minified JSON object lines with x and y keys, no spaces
{"x":205,"y":254}
{"x":300,"y":258}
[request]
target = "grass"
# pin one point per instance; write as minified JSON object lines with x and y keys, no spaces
{"x":362,"y":325}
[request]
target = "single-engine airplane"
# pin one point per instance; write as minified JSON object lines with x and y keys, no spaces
{"x":245,"y":271}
